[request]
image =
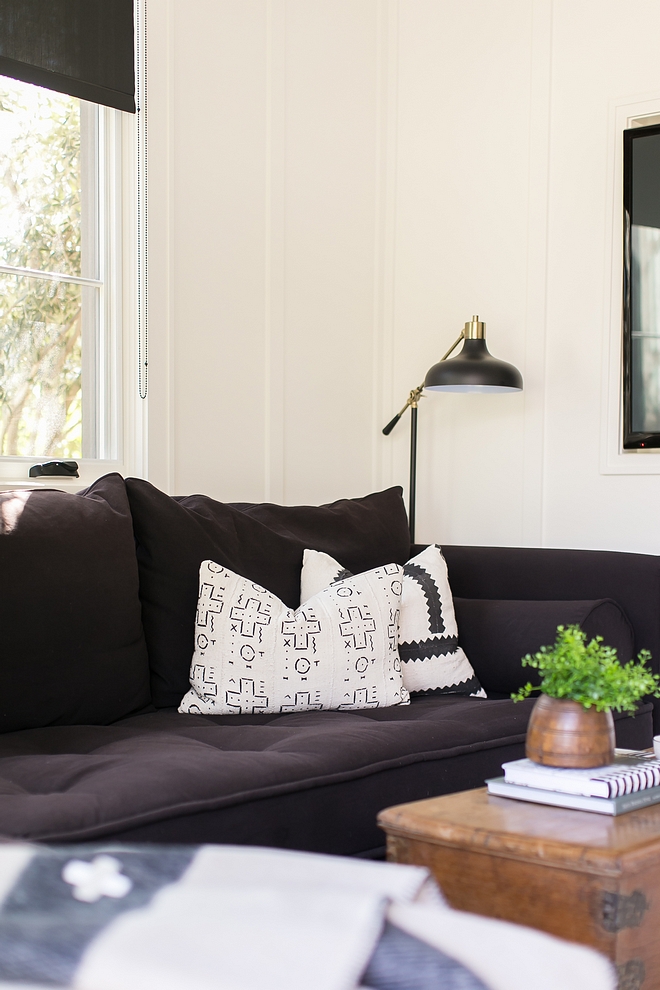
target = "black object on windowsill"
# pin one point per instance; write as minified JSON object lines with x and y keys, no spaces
{"x":60,"y":469}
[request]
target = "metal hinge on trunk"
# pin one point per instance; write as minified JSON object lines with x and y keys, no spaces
{"x":619,"y":911}
{"x":631,"y":975}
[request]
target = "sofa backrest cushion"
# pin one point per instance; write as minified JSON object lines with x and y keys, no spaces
{"x":72,"y":650}
{"x":263,"y":543}
{"x":497,"y":634}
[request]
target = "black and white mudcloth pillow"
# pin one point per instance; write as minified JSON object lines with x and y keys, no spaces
{"x":432,"y":660}
{"x":254,"y":654}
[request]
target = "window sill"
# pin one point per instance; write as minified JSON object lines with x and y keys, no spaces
{"x":14,"y":475}
{"x":54,"y":481}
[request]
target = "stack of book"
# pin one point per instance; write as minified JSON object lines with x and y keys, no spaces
{"x":631,"y":782}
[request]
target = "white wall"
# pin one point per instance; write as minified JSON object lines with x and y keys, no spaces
{"x":336,"y":186}
{"x":605,"y":56}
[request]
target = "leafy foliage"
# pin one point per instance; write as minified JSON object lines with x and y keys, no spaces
{"x":590,"y":673}
{"x":40,"y":320}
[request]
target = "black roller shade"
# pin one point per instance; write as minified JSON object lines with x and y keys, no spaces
{"x":81,"y":47}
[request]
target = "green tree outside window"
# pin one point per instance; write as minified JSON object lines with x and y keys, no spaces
{"x":40,"y":228}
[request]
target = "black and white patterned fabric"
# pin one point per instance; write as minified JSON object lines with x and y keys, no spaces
{"x":337,"y":651}
{"x":432,"y":660}
{"x":128,"y":917}
{"x":403,"y":962}
{"x":148,"y":917}
{"x":64,"y":898}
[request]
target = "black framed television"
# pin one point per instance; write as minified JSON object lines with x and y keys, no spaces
{"x":641,"y":287}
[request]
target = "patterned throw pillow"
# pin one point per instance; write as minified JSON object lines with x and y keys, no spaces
{"x":433,"y":662}
{"x":337,"y":651}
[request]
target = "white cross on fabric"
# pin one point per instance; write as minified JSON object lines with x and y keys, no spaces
{"x":100,"y":878}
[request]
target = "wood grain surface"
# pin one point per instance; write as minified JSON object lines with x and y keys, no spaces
{"x":589,"y":878}
{"x":563,"y":733}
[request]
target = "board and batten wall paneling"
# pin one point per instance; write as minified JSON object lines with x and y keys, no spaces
{"x":462,"y":247}
{"x":337,"y":187}
{"x":159,"y":411}
{"x":310,"y":270}
{"x":217,"y":120}
{"x":604,"y":54}
{"x":329,"y":222}
{"x":274,"y":146}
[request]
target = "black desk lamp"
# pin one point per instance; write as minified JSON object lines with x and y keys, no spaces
{"x":473,"y":370}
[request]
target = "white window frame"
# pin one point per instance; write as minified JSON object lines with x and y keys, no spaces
{"x":120,"y":412}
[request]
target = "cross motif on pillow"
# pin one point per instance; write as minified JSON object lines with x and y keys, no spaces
{"x":303,"y":702}
{"x":208,"y":605}
{"x":357,"y":626}
{"x":205,"y":687}
{"x":246,"y":698}
{"x":250,"y":616}
{"x":300,"y":632}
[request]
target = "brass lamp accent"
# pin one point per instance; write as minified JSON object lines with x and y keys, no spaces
{"x":474,"y":369}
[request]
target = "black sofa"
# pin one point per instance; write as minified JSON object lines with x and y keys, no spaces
{"x":97,"y":602}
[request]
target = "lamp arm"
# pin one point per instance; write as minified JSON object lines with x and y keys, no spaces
{"x":454,"y":345}
{"x":416,"y":393}
{"x":412,"y":400}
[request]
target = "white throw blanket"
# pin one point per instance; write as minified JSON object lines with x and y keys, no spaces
{"x":242,"y":918}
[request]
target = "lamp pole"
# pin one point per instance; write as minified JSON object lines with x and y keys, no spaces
{"x":412,"y":490}
{"x":413,"y":402}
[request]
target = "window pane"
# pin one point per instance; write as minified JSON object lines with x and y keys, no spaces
{"x":40,"y":367}
{"x":645,"y":329}
{"x":40,"y":179}
{"x":646,"y":384}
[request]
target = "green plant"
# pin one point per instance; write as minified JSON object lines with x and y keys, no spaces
{"x":590,"y":673}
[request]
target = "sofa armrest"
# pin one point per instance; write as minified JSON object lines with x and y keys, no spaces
{"x":630,"y":579}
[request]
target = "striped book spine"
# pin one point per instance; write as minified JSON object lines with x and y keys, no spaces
{"x":630,"y":772}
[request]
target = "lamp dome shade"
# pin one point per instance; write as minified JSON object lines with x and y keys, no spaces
{"x":473,"y":370}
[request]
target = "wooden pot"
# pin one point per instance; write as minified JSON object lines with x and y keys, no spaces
{"x":565,"y":734}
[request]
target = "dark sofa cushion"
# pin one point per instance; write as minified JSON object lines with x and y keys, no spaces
{"x":497,"y":634}
{"x":309,"y":780}
{"x":263,"y":543}
{"x":71,"y":643}
{"x":313,"y":780}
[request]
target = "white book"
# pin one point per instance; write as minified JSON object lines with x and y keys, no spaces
{"x":578,"y":802}
{"x":632,"y":771}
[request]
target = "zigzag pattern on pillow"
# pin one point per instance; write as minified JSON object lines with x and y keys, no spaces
{"x":431,"y":594}
{"x":432,"y":659}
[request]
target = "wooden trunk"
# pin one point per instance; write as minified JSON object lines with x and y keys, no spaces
{"x":586,"y":877}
